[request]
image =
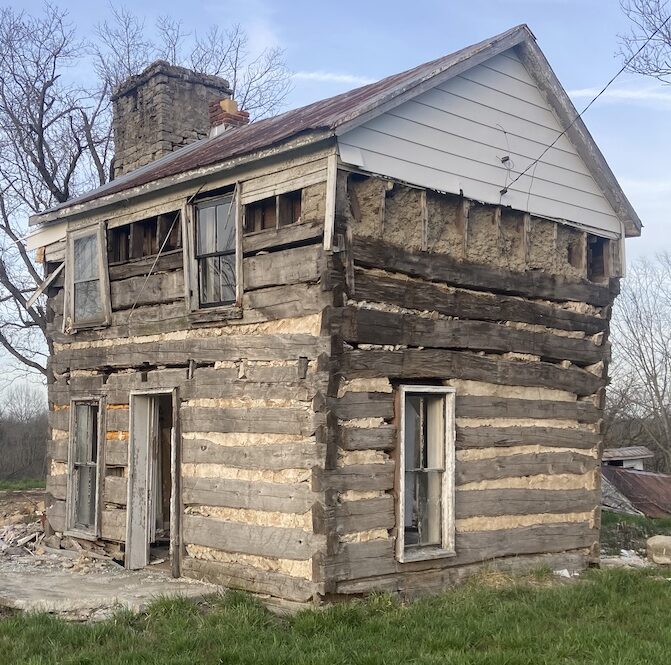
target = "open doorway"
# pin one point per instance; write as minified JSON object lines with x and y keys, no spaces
{"x":152,"y":522}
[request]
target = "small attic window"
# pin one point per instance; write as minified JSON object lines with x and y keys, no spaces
{"x":597,"y":258}
{"x":144,"y":238}
{"x":273,"y":212}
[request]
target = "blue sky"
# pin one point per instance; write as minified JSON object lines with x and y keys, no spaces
{"x":332,"y":47}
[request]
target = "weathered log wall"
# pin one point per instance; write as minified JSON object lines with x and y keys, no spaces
{"x":437,"y":294}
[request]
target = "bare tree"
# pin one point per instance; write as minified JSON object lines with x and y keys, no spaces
{"x":55,"y":134}
{"x":647,"y":18}
{"x":640,"y":393}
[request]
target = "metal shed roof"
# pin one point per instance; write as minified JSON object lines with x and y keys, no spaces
{"x":648,"y":492}
{"x":628,"y":452}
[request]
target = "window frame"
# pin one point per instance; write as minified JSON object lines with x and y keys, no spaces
{"x":71,"y":528}
{"x":70,"y":324}
{"x":447,"y":547}
{"x":191,"y":260}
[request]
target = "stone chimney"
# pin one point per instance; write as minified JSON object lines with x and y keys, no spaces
{"x":224,"y":114}
{"x":162,"y":109}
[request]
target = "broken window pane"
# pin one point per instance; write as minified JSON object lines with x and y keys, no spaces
{"x":86,"y":258}
{"x":87,"y":305}
{"x":217,"y":279}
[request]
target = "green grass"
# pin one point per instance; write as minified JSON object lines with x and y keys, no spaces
{"x":630,"y":532}
{"x":24,"y":484}
{"x":611,"y":617}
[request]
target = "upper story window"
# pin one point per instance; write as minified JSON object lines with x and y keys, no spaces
{"x":88,"y":302}
{"x":215,"y":237}
{"x":426,"y":497}
{"x":273,"y":212}
{"x":144,"y":238}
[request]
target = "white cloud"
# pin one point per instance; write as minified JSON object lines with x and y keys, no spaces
{"x":654,"y":96}
{"x":332,"y":77}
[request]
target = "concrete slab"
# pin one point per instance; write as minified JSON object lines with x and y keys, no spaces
{"x":45,"y":584}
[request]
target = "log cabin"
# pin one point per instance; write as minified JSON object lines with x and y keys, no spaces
{"x":359,"y":346}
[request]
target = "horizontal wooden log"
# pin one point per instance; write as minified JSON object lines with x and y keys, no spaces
{"x":470,"y":406}
{"x":365,"y":514}
{"x":363,"y":405}
{"x":116,"y":453}
{"x":369,"y":326}
{"x":57,"y":486}
{"x":167,"y":262}
{"x":443,"y":364}
{"x":115,"y":490}
{"x":158,"y":288}
{"x":286,"y":236}
{"x":367,"y":438}
{"x":113,"y":525}
{"x":260,"y":420}
{"x":255,"y":495}
{"x":282,"y":543}
{"x":374,"y":253}
{"x":290,"y":266}
{"x":249,"y":578}
{"x":470,"y":305}
{"x":58,"y":450}
{"x":60,"y":419}
{"x":516,"y":466}
{"x":55,"y":510}
{"x":493,"y":503}
{"x":284,"y":302}
{"x":357,"y":560}
{"x":115,"y":419}
{"x":275,"y":457}
{"x":561,"y":437}
{"x":355,"y":477}
{"x":180,"y":352}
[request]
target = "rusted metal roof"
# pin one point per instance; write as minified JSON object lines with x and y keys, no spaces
{"x":628,"y":452}
{"x":648,"y":492}
{"x":327,"y":114}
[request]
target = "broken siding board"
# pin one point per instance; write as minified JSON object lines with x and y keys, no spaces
{"x":497,"y":502}
{"x":260,"y":420}
{"x":560,"y":437}
{"x":377,"y":327}
{"x":426,"y":296}
{"x":469,"y":406}
{"x":249,"y":578}
{"x":283,"y":543}
{"x":295,"y":498}
{"x":290,"y":266}
{"x":442,"y":364}
{"x":516,"y":466}
{"x":374,"y":253}
{"x":273,"y":457}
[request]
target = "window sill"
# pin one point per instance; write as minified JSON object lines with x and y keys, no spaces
{"x":215,"y":314}
{"x":425,"y":554}
{"x":82,"y":535}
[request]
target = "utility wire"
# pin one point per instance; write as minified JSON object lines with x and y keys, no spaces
{"x":605,"y":87}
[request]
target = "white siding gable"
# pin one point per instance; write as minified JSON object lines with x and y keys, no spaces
{"x":453,"y":138}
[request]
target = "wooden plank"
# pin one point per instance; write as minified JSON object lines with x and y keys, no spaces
{"x":443,"y":364}
{"x":276,"y":456}
{"x":157,"y":288}
{"x":180,"y":352}
{"x":290,"y":266}
{"x":168,"y":261}
{"x":354,"y":405}
{"x":254,"y":495}
{"x":374,"y":253}
{"x":116,"y":453}
{"x":356,"y":560}
{"x":116,"y":419}
{"x":260,"y":420}
{"x":419,"y":295}
{"x":367,"y":438}
{"x":249,"y":578}
{"x":561,"y":437}
{"x":516,"y":466}
{"x":370,"y":326}
{"x":113,"y":525}
{"x":57,"y":486}
{"x":365,"y":514}
{"x":493,"y":503}
{"x":355,"y":477}
{"x":115,"y":490}
{"x":283,"y":543}
{"x":285,"y":236}
{"x":470,"y":406}
{"x":55,"y":513}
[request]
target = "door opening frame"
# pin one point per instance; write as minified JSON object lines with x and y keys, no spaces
{"x":175,"y":477}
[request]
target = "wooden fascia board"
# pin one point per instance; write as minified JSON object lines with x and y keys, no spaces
{"x":191,"y":177}
{"x":411,"y":90}
{"x":540,"y":70}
